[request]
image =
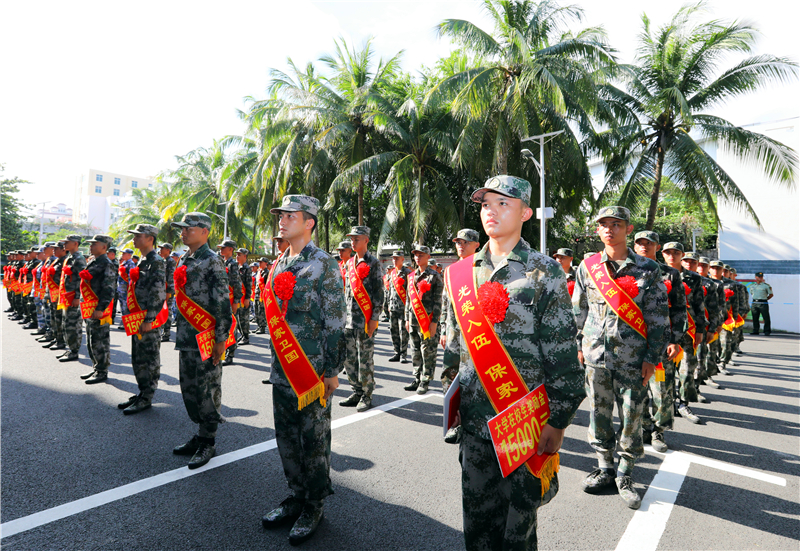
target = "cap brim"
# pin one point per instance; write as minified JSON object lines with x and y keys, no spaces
{"x":280,"y":210}
{"x":638,"y":238}
{"x":477,"y":195}
{"x":598,"y":218}
{"x":179,"y":224}
{"x":418,"y":251}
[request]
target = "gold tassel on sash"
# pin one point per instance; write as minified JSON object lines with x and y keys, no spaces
{"x":548,"y":471}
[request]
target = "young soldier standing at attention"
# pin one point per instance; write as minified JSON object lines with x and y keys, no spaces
{"x":70,"y":297}
{"x":717,"y":270}
{"x":398,"y":296}
{"x":711,"y":315}
{"x":623,"y":329}
{"x":226,"y":249}
{"x":512,"y":302}
{"x":243,"y":313}
{"x":97,"y":294}
{"x":305,"y":311}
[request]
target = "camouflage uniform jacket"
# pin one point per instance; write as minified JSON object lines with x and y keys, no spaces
{"x":207,"y":285}
{"x":31,"y":265}
{"x":246,"y":278}
{"x":396,"y":304}
{"x":151,"y":290}
{"x":103,"y":280}
{"x":169,"y":275}
{"x":235,"y":284}
{"x":744,"y":299}
{"x":695,"y":299}
{"x":571,"y":273}
{"x":538,"y":332}
{"x":261,"y":277}
{"x":733,"y":302}
{"x":373,"y":284}
{"x":315,"y":313}
{"x":76,"y":263}
{"x":605,"y":340}
{"x":58,"y":264}
{"x":432,"y":300}
{"x":713,"y":305}
{"x":678,"y":320}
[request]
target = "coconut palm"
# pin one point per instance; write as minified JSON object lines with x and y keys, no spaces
{"x":150,"y":206}
{"x":661,"y":124}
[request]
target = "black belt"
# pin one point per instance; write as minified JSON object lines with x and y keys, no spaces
{"x":761,"y":301}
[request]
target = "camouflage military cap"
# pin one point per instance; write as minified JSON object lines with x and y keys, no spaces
{"x":177,"y":254}
{"x":703,"y":260}
{"x":74,"y":238}
{"x":398,"y":254}
{"x":717,"y":264}
{"x":242,"y":250}
{"x":510,"y":186}
{"x":277,"y":238}
{"x":127,"y":251}
{"x":467,"y":235}
{"x":166,"y":246}
{"x":59,"y":245}
{"x":112,"y":249}
{"x":194,"y":220}
{"x":359,"y":230}
{"x":620,"y":213}
{"x":565,"y":252}
{"x":101,"y":239}
{"x":690,"y":256}
{"x":344,"y":245}
{"x":298,"y":203}
{"x":34,"y":249}
{"x":673,"y":245}
{"x":254,"y":264}
{"x":145,"y":229}
{"x":227,"y":243}
{"x":733,"y":271}
{"x":41,"y":249}
{"x":727,"y":266}
{"x":649,"y":235}
{"x":264,"y":259}
{"x":433,"y":262}
{"x":420,"y":249}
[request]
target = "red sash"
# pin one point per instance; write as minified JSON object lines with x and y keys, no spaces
{"x":303,"y":378}
{"x":416,"y":305}
{"x":53,"y":286}
{"x":133,"y":320}
{"x":64,"y":298}
{"x":359,"y":292}
{"x":501,"y":381}
{"x":617,"y":299}
{"x":89,"y":302}
{"x":398,"y":287}
{"x":27,"y":284}
{"x":730,"y":323}
{"x":202,"y":322}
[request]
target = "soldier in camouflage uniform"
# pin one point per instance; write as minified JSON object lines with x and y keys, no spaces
{"x":112,"y":256}
{"x":46,"y":329}
{"x":201,"y":381}
{"x":258,"y":285}
{"x":73,"y":324}
{"x":31,"y":319}
{"x":315,"y":314}
{"x":56,"y":315}
{"x":537,"y":332}
{"x":712,"y":316}
{"x":125,"y":265}
{"x":226,"y":249}
{"x":243,"y":313}
{"x":102,"y":282}
{"x":694,"y":296}
{"x":744,"y":309}
{"x":150,"y":292}
{"x":661,"y":394}
{"x":716,"y":288}
{"x":564,"y":257}
{"x":717,"y":269}
{"x":423,"y":350}
{"x":359,"y":332}
{"x":165,"y":251}
{"x":619,"y":361}
{"x":397,"y":309}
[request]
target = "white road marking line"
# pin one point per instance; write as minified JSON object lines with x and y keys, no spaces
{"x":649,"y":522}
{"x":59,"y":512}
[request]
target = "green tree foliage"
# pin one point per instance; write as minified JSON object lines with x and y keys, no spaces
{"x":12,"y":236}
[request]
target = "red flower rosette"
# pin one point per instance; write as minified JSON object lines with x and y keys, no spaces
{"x":423,"y":287}
{"x":67,"y":270}
{"x":122,"y":271}
{"x":728,"y":294}
{"x":570,"y":287}
{"x":179,"y":277}
{"x":687,"y":290}
{"x":628,"y":284}
{"x":84,"y":274}
{"x":493,"y":298}
{"x":284,"y":288}
{"x":134,"y":274}
{"x":51,"y":271}
{"x":668,"y":285}
{"x":24,"y":270}
{"x":401,"y":281}
{"x":362,"y":270}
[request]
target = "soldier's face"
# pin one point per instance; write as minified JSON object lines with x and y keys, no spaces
{"x":359,"y":243}
{"x":164,"y":252}
{"x":759,"y":279}
{"x":142,"y":241}
{"x":421,"y":259}
{"x":726,"y":273}
{"x":465,"y":248}
{"x":59,"y":252}
{"x":502,"y":216}
{"x":126,"y":256}
{"x":291,"y":225}
{"x":96,"y":249}
{"x":227,"y":252}
{"x":645,"y":247}
{"x":689,"y":264}
{"x":194,"y":236}
{"x":565,"y":261}
{"x":345,"y":253}
{"x":398,"y":261}
{"x":241,"y":258}
{"x":702,"y":269}
{"x":71,"y":246}
{"x":673,"y":257}
{"x":112,"y":255}
{"x":716,"y":272}
{"x":613,"y":231}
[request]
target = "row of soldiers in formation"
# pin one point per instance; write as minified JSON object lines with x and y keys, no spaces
{"x":620,"y":328}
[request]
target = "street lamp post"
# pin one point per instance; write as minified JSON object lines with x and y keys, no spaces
{"x":695,"y":233}
{"x":41,"y":222}
{"x":542,"y":213}
{"x":226,"y":203}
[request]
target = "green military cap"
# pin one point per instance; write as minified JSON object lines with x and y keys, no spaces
{"x":277,"y":238}
{"x":510,"y":186}
{"x":177,"y":254}
{"x":565,"y":252}
{"x":673,"y":245}
{"x":703,"y":260}
{"x":420,"y":249}
{"x":298,"y":203}
{"x":717,"y":264}
{"x":690,"y":256}
{"x":344,"y":245}
{"x":398,"y":254}
{"x":242,"y":250}
{"x":41,"y":249}
{"x":433,"y":262}
{"x":264,"y":259}
{"x":34,"y":249}
{"x":733,"y":271}
{"x":112,"y":249}
{"x":194,"y":220}
{"x":649,"y":235}
{"x":759,"y":274}
{"x":145,"y":229}
{"x":59,"y":245}
{"x":359,"y":230}
{"x":166,"y":246}
{"x":467,"y":235}
{"x":620,"y":213}
{"x":727,"y":266}
{"x":227,"y":243}
{"x":407,"y":264}
{"x":101,"y":239}
{"x":75,"y":238}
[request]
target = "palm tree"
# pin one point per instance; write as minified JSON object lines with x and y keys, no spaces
{"x":150,"y":206}
{"x":661,"y":126}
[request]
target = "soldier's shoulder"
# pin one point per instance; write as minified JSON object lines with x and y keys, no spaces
{"x":543,"y":263}
{"x":646,"y":264}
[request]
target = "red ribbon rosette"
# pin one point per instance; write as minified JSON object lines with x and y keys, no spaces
{"x":84,"y":274}
{"x":687,"y":290}
{"x":24,"y":270}
{"x":67,"y":270}
{"x":570,"y":287}
{"x":284,"y":288}
{"x":493,"y":298}
{"x":134,"y":274}
{"x":668,"y":285}
{"x":728,"y":294}
{"x":401,"y":281}
{"x":180,"y":277}
{"x":362,"y":270}
{"x":122,"y":272}
{"x":628,"y":284}
{"x":51,"y":271}
{"x":423,"y":287}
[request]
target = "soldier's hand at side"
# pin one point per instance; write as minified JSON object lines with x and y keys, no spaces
{"x":408,"y":326}
{"x":443,"y":341}
{"x":76,"y":302}
{"x":551,"y":440}
{"x":648,"y":370}
{"x":246,"y":303}
{"x":371,"y":327}
{"x":97,"y":314}
{"x":709,"y":336}
{"x":331,"y":384}
{"x":580,"y":356}
{"x":146,"y":327}
{"x":672,"y":351}
{"x":432,"y":329}
{"x":234,"y":307}
{"x":457,"y":420}
{"x":216,"y":353}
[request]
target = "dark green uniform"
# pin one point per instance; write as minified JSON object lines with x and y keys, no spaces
{"x":423,"y":351}
{"x":72,"y":315}
{"x":150,"y":292}
{"x":103,"y":283}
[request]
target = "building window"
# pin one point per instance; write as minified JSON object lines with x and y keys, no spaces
{"x":134,"y":183}
{"x":98,"y":177}
{"x":116,"y":192}
{"x":98,"y":189}
{"x":116,"y":181}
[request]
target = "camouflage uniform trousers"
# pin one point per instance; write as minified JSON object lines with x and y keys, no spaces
{"x":701,"y":373}
{"x":19,"y":304}
{"x":727,"y":340}
{"x":201,"y":388}
{"x":397,"y":327}
{"x":146,"y":362}
{"x":304,"y":444}
{"x":42,"y":313}
{"x":624,"y":386}
{"x":714,"y":354}
{"x":739,"y":337}
{"x":30,"y":308}
{"x":658,"y":413}
{"x":261,"y":315}
{"x":98,"y":343}
{"x":423,"y":355}
{"x":358,"y":362}
{"x":243,"y":321}
{"x":165,"y":329}
{"x":448,"y":374}
{"x":686,"y":373}
{"x":58,"y":322}
{"x":499,"y":513}
{"x":73,"y":327}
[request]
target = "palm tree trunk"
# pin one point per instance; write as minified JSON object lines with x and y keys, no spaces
{"x":419,"y":238}
{"x":651,"y":211}
{"x":361,"y":201}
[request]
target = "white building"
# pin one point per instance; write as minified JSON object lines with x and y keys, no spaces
{"x":97,"y":190}
{"x":59,"y":212}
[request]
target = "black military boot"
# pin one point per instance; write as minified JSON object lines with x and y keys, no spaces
{"x":351,"y":401}
{"x":188,"y":448}
{"x":395,"y":358}
{"x":413,"y":386}
{"x":205,"y":451}
{"x":308,"y":522}
{"x":288,"y":511}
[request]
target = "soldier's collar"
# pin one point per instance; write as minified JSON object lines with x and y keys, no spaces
{"x":519,"y":253}
{"x":629,"y":260}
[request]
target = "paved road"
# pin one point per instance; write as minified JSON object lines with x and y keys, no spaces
{"x":77,"y":474}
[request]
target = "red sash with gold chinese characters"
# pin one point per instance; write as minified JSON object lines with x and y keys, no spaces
{"x":52,"y":285}
{"x":416,"y":305}
{"x":38,"y":287}
{"x":133,"y":320}
{"x":496,"y":370}
{"x":64,"y":298}
{"x":303,"y":378}
{"x":359,"y":291}
{"x":27,"y":284}
{"x":398,"y":287}
{"x":90,"y":300}
{"x":199,"y":318}
{"x":616,"y":298}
